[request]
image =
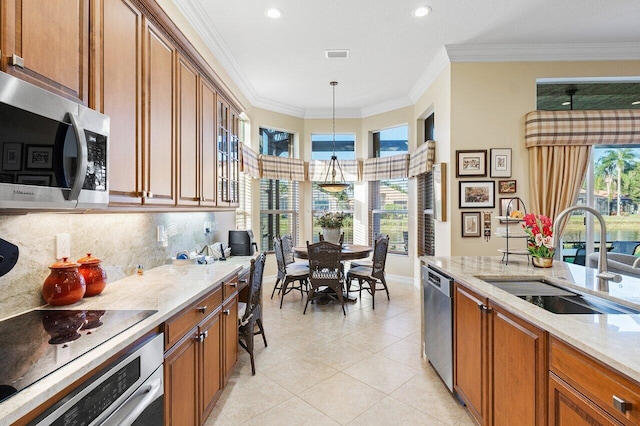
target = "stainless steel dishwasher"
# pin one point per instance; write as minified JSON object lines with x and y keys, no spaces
{"x":438,"y":318}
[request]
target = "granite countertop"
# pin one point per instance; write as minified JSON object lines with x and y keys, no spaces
{"x":167,"y":289}
{"x":613,"y":339}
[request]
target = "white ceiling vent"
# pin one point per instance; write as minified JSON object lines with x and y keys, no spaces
{"x":336,"y":54}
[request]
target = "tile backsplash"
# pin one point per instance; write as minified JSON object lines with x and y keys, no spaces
{"x":120,"y":240}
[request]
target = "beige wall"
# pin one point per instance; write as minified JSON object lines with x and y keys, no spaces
{"x":488,"y":104}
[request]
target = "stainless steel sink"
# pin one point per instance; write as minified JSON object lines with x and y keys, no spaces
{"x":558,"y":300}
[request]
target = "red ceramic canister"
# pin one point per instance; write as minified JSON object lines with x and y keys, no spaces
{"x":94,"y":276}
{"x":64,"y":285}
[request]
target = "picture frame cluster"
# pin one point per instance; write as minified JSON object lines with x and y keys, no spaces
{"x":481,"y":194}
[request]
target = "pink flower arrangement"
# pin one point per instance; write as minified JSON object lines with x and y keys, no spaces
{"x":539,"y":228}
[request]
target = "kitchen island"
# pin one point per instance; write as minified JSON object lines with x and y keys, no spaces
{"x":168,"y":289}
{"x":553,"y":346}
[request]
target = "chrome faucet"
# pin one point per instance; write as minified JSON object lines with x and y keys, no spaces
{"x":603,"y":275}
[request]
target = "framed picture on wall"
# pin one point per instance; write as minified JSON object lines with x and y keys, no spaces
{"x":12,"y":156}
{"x":470,"y":224}
{"x":507,"y":186}
{"x":500,"y":162}
{"x":471,"y":163}
{"x":477,"y":194}
{"x":440,"y":192}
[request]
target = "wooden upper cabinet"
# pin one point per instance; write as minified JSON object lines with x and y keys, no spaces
{"x":207,"y":144}
{"x":187,"y":121}
{"x":121,"y":98}
{"x":47,"y":44}
{"x":159,"y":150}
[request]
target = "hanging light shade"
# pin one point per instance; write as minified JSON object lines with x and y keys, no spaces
{"x":330,"y":184}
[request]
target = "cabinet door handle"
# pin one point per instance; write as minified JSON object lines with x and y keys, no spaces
{"x":244,"y":280}
{"x":202,"y":309}
{"x":204,"y":334}
{"x":233,"y":284}
{"x":149,"y":194}
{"x":226,"y":312}
{"x":621,"y":405}
{"x":199,"y":338}
{"x":484,"y":308}
{"x":17,"y":61}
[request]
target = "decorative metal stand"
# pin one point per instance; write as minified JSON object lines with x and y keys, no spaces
{"x":508,"y":220}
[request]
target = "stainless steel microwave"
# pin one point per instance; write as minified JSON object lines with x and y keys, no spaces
{"x":53,"y":152}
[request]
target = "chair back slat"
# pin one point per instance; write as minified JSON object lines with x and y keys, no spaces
{"x":324,"y":263}
{"x":277,"y":248}
{"x":287,"y":249}
{"x":255,"y":284}
{"x":380,"y":250}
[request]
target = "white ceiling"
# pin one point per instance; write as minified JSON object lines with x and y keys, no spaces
{"x":280,"y":64}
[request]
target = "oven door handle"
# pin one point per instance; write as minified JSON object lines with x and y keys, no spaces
{"x":152,"y":388}
{"x":81,"y":170}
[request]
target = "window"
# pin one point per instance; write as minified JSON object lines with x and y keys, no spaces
{"x":279,"y":200}
{"x":426,"y":222}
{"x":388,"y":199}
{"x":612,"y":187}
{"x":322,"y":149}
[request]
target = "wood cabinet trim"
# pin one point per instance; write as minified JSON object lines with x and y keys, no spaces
{"x":155,"y":14}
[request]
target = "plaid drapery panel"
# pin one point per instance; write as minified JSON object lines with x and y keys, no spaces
{"x":422,"y":159}
{"x":318,"y":170}
{"x":584,"y":127}
{"x":381,"y":168}
{"x":249,"y":162}
{"x":281,"y":168}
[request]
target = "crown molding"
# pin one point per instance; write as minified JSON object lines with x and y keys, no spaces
{"x":543,"y":52}
{"x":437,"y":65}
{"x":326,"y":113}
{"x":195,"y":15}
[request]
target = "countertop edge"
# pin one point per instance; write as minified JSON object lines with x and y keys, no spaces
{"x":31,"y":397}
{"x":590,"y":337}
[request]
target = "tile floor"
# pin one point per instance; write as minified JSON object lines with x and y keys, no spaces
{"x":324,"y":368}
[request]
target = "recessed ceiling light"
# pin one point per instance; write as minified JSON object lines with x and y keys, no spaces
{"x":566,"y":103}
{"x":635,"y":103}
{"x":422,"y":11}
{"x":273,"y":13}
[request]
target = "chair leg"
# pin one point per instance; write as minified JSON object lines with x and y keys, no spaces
{"x":283,"y":292}
{"x":264,"y":337}
{"x":309,"y":297}
{"x":384,"y":283}
{"x":341,"y":299}
{"x":247,"y":344}
{"x":275,"y":287}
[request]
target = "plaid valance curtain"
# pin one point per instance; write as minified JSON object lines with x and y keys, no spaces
{"x":422,"y":159}
{"x":318,"y":170}
{"x":249,"y":164}
{"x":381,"y":168}
{"x":584,"y":127}
{"x":282,"y":168}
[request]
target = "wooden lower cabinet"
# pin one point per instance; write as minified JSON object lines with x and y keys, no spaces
{"x":567,"y":407}
{"x":499,"y":362}
{"x":211,"y":354}
{"x":230,"y":335}
{"x":584,"y":387}
{"x":193,"y":370}
{"x":470,"y":352}
{"x":181,"y":382}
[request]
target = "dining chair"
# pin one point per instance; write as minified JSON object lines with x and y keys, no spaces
{"x":250,"y":313}
{"x":291,"y":273}
{"x":325,"y":272}
{"x":287,"y":251}
{"x":366,"y":262}
{"x":373,"y":275}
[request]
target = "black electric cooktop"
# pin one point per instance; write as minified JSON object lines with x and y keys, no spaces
{"x":36,"y":343}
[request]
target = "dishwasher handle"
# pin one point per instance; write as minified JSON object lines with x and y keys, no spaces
{"x":438,"y":280}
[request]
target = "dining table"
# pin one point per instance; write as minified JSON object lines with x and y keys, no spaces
{"x":348,"y":252}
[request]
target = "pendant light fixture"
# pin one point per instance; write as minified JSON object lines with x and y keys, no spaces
{"x":333,"y":185}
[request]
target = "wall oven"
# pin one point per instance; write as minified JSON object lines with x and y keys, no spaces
{"x":129,"y":392}
{"x":53,"y":151}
